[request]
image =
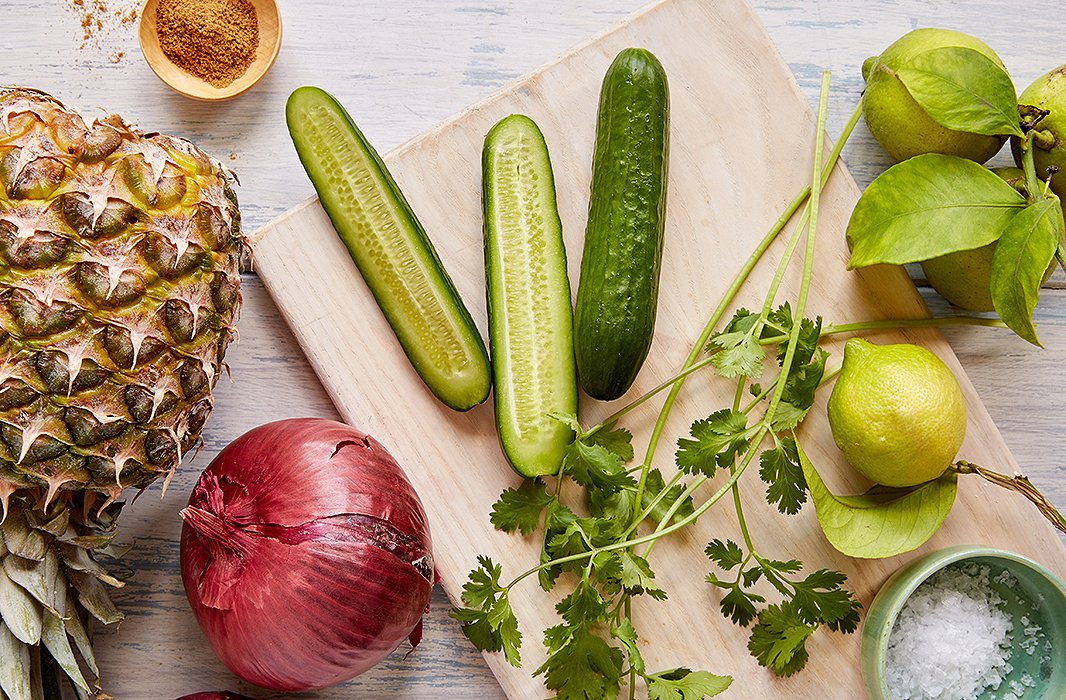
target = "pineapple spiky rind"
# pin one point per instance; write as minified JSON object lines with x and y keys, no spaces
{"x":119,"y":284}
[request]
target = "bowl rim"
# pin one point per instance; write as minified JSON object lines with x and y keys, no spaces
{"x":919,"y":570}
{"x":157,"y":61}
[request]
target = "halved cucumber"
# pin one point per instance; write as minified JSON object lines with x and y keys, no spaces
{"x":390,"y":248}
{"x":530,"y":320}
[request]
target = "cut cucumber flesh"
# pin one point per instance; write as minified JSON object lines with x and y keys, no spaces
{"x":530,"y":319}
{"x":390,"y":248}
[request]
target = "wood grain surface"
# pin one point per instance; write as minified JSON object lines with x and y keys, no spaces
{"x":403,"y":67}
{"x":741,"y":136}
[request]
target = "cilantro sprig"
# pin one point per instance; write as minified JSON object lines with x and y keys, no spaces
{"x":593,"y":651}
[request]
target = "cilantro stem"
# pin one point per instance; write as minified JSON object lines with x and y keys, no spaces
{"x":808,"y":256}
{"x":734,"y":288}
{"x":655,"y":502}
{"x":894,"y":324}
{"x":659,"y":533}
{"x":650,"y":394}
{"x":760,"y":397}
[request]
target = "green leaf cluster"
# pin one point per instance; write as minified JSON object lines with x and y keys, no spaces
{"x":780,"y":630}
{"x":714,"y":443}
{"x":488,"y":621}
{"x":968,"y":207}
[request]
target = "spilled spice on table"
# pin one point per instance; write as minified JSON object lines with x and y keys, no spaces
{"x":99,"y":18}
{"x":214,"y":40}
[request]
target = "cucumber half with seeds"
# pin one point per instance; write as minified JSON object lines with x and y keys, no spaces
{"x":390,"y":248}
{"x":530,"y":319}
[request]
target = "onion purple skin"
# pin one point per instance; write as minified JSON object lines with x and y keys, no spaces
{"x":305,"y":555}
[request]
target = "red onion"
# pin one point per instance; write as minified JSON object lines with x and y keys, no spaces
{"x":305,"y":554}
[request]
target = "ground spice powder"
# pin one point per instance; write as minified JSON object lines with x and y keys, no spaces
{"x":215,"y":40}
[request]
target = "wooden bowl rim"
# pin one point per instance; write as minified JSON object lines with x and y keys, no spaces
{"x":189,"y":85}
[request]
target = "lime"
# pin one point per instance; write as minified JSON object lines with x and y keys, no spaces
{"x":1048,"y":92}
{"x":897,"y":413}
{"x":964,"y":277}
{"x":898,"y":122}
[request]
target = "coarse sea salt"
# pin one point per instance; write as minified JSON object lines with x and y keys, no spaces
{"x":951,"y":640}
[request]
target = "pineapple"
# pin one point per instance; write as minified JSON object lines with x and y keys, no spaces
{"x":119,"y":283}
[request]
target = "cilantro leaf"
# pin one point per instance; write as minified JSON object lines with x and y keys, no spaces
{"x":653,"y":486}
{"x":821,"y":598}
{"x":585,"y":667}
{"x":789,"y":566}
{"x":725,"y":554}
{"x":584,"y":606}
{"x":743,"y":321}
{"x":595,"y":467}
{"x":622,"y":570}
{"x":627,"y":636}
{"x":562,"y":537}
{"x":738,"y":354}
{"x":739,"y":605}
{"x":569,"y":420}
{"x":799,"y":390}
{"x":614,"y":507}
{"x":617,"y":507}
{"x":616,"y":440}
{"x":780,"y":468}
{"x":779,"y":320}
{"x":717,"y":439}
{"x":483,"y":584}
{"x":736,"y":350}
{"x":520,"y":508}
{"x":779,"y":639}
{"x":683,"y":684}
{"x":489,"y":623}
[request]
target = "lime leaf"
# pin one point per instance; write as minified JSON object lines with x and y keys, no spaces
{"x":964,"y":90}
{"x":883,"y":521}
{"x":1022,"y":256}
{"x":966,"y":206}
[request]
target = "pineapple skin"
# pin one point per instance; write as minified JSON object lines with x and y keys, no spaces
{"x":119,"y":285}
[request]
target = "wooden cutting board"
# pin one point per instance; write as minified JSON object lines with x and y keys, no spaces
{"x":741,"y":140}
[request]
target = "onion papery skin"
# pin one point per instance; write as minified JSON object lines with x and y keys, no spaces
{"x":305,"y":554}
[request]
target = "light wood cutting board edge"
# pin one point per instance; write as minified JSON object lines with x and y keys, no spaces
{"x":965,"y":511}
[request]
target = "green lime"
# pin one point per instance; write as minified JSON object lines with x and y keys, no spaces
{"x":898,"y":122}
{"x":897,"y":413}
{"x":964,"y":278}
{"x":1048,"y":92}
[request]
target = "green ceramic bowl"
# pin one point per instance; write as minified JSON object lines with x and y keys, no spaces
{"x":1040,"y":595}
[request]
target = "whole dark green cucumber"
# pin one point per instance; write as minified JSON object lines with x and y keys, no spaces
{"x":618,"y":291}
{"x":390,"y":248}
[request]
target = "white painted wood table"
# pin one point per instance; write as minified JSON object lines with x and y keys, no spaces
{"x":400,"y":67}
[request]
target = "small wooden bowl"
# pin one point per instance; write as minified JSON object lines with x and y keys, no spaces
{"x":189,"y":85}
